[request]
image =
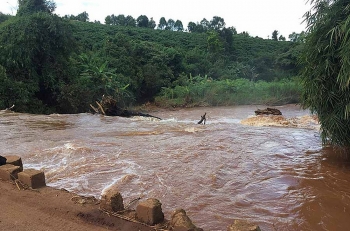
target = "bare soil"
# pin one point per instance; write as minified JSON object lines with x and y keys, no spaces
{"x":53,"y":209}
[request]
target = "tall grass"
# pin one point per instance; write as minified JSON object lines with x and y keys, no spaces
{"x":206,"y":92}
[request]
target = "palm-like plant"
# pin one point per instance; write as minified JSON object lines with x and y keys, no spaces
{"x":96,"y":75}
{"x":326,"y":68}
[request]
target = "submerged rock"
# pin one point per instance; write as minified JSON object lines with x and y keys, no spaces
{"x":243,"y":225}
{"x":268,"y":111}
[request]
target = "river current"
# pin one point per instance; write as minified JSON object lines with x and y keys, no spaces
{"x":280,"y":178}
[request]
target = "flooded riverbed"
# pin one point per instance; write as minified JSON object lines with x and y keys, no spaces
{"x":280,"y":178}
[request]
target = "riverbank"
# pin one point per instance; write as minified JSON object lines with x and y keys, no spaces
{"x":54,"y":209}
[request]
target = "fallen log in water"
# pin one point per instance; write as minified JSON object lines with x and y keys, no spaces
{"x":9,"y":108}
{"x":268,"y":111}
{"x":108,"y":106}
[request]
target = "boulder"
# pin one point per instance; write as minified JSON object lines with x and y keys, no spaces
{"x":33,"y":178}
{"x":112,"y":200}
{"x":150,"y":212}
{"x":243,"y":225}
{"x":268,"y":111}
{"x":181,"y":222}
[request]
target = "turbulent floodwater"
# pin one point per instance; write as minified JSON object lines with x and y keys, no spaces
{"x":280,"y":178}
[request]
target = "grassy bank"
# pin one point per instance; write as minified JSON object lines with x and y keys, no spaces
{"x":202,"y":91}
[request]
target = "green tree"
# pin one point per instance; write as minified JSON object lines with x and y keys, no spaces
{"x":28,"y":7}
{"x":282,"y":38}
{"x":108,"y":20}
{"x":170,"y":24}
{"x":217,"y":23}
{"x":227,"y":36}
{"x":214,"y":42}
{"x":151,"y":23}
{"x":82,"y":17}
{"x":326,"y":68}
{"x":245,"y":34}
{"x":120,"y":20}
{"x":191,"y":27}
{"x":204,"y":25}
{"x":35,"y":50}
{"x":4,"y":17}
{"x":130,"y":21}
{"x":162,"y":23}
{"x":298,"y":38}
{"x":275,"y":35}
{"x":232,"y":29}
{"x":142,"y":21}
{"x":111,"y":20}
{"x":178,"y":26}
{"x":12,"y":92}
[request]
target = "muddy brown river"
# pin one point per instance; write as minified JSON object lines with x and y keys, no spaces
{"x":280,"y":178}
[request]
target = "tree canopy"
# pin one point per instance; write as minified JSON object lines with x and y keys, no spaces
{"x":326,"y":68}
{"x":35,"y":49}
{"x":27,"y":7}
{"x":83,"y":17}
{"x":52,"y":64}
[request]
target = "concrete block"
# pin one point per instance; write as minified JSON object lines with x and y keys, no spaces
{"x":150,"y":212}
{"x":9,"y":172}
{"x":33,"y":178}
{"x":243,"y":225}
{"x":15,"y":160}
{"x":181,"y":222}
{"x":112,"y":200}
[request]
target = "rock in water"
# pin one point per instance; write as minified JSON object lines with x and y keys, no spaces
{"x":268,"y":111}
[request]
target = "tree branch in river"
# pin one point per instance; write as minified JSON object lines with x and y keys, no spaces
{"x":10,"y":108}
{"x":108,"y":106}
{"x":203,"y":119}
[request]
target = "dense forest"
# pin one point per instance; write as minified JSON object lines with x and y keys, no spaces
{"x":63,"y":64}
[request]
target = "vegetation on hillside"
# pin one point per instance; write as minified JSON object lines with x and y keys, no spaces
{"x":62,"y":64}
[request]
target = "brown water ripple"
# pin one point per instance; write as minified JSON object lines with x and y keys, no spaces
{"x":280,"y":178}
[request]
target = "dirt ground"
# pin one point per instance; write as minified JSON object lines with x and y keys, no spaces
{"x":54,"y":209}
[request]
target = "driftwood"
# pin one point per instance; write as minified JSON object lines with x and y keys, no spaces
{"x":10,"y":108}
{"x":203,"y":119}
{"x":268,"y":111}
{"x":108,"y":106}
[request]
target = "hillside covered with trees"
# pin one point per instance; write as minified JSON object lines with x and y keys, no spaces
{"x":63,"y":64}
